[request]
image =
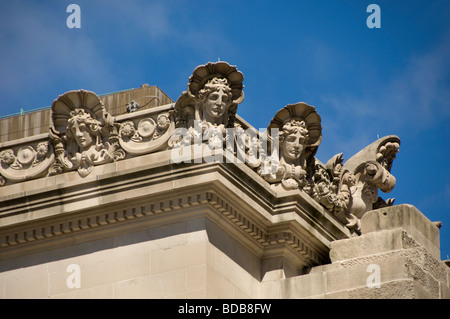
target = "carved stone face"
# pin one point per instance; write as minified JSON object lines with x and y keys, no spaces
{"x":293,"y":145}
{"x":81,"y":134}
{"x":83,"y":129}
{"x":216,"y":105}
{"x":215,"y":98}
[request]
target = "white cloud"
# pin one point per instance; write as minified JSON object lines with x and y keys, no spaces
{"x":422,"y":91}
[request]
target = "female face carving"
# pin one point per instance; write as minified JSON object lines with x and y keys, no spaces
{"x":293,"y":145}
{"x":83,"y":129}
{"x":216,"y":98}
{"x":81,"y":134}
{"x":294,"y":140}
{"x":216,"y":104}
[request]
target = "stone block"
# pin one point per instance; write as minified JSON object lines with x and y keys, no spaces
{"x":218,"y":286}
{"x":345,"y":279}
{"x":326,"y":267}
{"x":365,"y":271}
{"x":196,"y":277}
{"x":400,"y":289}
{"x":178,"y":257}
{"x":444,"y":291}
{"x":303,"y":286}
{"x":99,"y":292}
{"x":142,"y":287}
{"x":336,"y":295}
{"x":424,"y":279}
{"x":271,"y":289}
{"x":114,"y":268}
{"x":29,"y":287}
{"x":423,"y":258}
{"x":369,"y":244}
{"x":194,"y":294}
{"x":407,"y":217}
{"x":448,"y":275}
{"x":162,"y":285}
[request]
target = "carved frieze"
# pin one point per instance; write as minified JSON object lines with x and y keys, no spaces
{"x":83,"y":134}
{"x":22,"y":162}
{"x":283,"y":155}
{"x":146,"y":134}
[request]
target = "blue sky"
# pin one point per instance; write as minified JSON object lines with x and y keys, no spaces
{"x":363,"y":82}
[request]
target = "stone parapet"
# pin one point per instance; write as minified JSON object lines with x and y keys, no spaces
{"x":390,"y":260}
{"x":38,"y":121}
{"x":406,"y":217}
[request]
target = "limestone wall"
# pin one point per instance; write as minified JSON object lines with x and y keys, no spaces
{"x":196,"y":258}
{"x":176,"y":261}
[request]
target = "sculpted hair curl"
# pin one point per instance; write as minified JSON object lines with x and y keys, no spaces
{"x":293,"y":126}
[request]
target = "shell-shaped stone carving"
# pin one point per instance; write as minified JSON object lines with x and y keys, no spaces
{"x":303,"y":112}
{"x":70,"y":101}
{"x":220,"y":69}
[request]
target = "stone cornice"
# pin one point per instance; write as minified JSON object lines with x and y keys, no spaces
{"x":147,"y":191}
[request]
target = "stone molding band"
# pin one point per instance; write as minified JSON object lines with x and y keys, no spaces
{"x":263,"y":239}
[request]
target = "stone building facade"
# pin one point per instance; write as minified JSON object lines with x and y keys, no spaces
{"x":133,"y":195}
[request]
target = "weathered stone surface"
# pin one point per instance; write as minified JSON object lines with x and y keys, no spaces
{"x":400,"y":289}
{"x":408,"y":218}
{"x":369,"y":244}
{"x":385,"y":262}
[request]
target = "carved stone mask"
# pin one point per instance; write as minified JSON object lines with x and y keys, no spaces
{"x":216,"y":99}
{"x":294,"y":137}
{"x":216,"y":104}
{"x":293,"y":146}
{"x":81,"y":135}
{"x":83,"y":129}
